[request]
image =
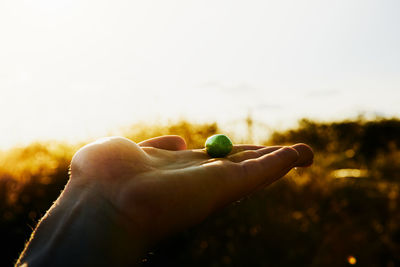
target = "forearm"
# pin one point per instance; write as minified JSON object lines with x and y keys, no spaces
{"x":80,"y":229}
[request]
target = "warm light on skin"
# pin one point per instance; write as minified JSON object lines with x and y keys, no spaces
{"x":74,"y":69}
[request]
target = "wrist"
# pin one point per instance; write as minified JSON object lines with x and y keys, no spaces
{"x":82,"y":228}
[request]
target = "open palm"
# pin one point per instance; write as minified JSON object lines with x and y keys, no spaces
{"x":160,"y":187}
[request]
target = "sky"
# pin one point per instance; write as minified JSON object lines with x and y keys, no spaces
{"x":76,"y":69}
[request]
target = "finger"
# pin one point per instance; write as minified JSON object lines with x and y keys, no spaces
{"x":243,"y":152}
{"x":240,"y":148}
{"x":251,"y":154}
{"x":271,"y":166}
{"x":236,"y":180}
{"x":167,"y":142}
{"x":306,"y":155}
{"x":305,"y":159}
{"x":202,"y":154}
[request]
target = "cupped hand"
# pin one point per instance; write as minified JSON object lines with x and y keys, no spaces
{"x":158,"y":187}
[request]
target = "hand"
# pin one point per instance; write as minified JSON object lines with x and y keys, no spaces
{"x":123,"y":197}
{"x":160,"y":187}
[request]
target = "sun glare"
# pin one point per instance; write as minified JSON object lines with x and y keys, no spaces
{"x":73,"y":69}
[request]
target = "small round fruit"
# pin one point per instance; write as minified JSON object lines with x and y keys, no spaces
{"x":218,"y":146}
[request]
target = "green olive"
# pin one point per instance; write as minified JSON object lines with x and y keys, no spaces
{"x":218,"y":145}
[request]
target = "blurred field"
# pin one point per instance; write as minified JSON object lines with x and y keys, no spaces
{"x":344,"y":210}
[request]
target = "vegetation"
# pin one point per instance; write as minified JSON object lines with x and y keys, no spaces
{"x":345,"y":209}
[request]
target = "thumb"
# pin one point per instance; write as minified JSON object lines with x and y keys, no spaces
{"x":167,"y":142}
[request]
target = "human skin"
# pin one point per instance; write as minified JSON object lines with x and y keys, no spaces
{"x":122,"y":197}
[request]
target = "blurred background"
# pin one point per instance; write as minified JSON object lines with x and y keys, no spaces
{"x":326,"y":73}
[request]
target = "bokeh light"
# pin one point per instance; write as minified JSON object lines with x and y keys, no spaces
{"x":351,"y":260}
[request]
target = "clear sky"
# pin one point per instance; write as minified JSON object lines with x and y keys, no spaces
{"x":78,"y":68}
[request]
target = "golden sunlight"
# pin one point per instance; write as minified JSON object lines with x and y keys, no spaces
{"x":351,"y":260}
